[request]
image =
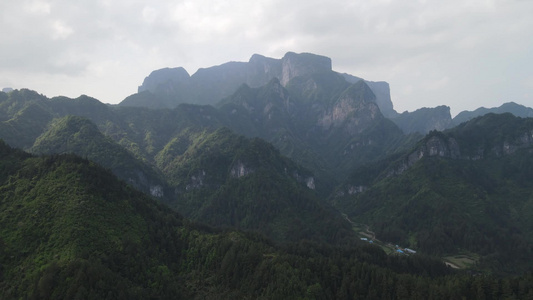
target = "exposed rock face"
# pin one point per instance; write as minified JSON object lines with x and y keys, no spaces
{"x":448,"y":147}
{"x":350,"y":190}
{"x":239,"y":170}
{"x":354,"y":110}
{"x":210,"y":85}
{"x":381,"y":90}
{"x":509,"y":147}
{"x":156,"y":191}
{"x":310,"y":182}
{"x":356,"y":189}
{"x":261,"y":69}
{"x":437,"y":145}
{"x":294,"y":65}
{"x":196,"y":181}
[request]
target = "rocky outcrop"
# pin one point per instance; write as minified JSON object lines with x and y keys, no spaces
{"x":169,"y":87}
{"x":310,"y":182}
{"x":196,"y":181}
{"x":261,"y":69}
{"x":442,"y":145}
{"x":294,"y":65}
{"x":435,"y":145}
{"x":156,"y":191}
{"x":240,"y":169}
{"x":355,"y":110}
{"x":381,"y":90}
{"x":509,"y":147}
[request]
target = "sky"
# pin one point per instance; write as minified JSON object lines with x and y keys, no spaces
{"x":461,"y":53}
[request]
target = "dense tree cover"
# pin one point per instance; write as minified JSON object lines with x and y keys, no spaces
{"x":228,"y":180}
{"x":78,"y":135}
{"x":183,"y":144}
{"x":478,"y":202}
{"x":69,"y":229}
{"x":493,"y":135}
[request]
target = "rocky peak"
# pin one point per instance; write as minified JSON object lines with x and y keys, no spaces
{"x":261,"y":69}
{"x":165,"y":76}
{"x":294,"y":65}
{"x":172,"y":86}
{"x":381,"y":90}
{"x":424,"y":120}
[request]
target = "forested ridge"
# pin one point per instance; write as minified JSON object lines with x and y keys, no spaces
{"x":69,"y":229}
{"x":472,"y":195}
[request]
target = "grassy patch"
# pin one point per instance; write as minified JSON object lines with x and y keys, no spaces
{"x":462,"y":261}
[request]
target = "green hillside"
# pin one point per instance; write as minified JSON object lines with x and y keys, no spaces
{"x":70,"y":230}
{"x":167,"y":154}
{"x":470,"y":192}
{"x":80,"y":136}
{"x":225,"y":179}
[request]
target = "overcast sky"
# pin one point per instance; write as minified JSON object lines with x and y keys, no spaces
{"x":460,"y":53}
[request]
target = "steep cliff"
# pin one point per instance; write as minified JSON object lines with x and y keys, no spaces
{"x":169,"y":87}
{"x":381,"y":90}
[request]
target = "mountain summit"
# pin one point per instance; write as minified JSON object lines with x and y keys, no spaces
{"x":169,"y":87}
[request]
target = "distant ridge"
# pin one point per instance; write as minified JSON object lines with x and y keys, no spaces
{"x":509,"y":107}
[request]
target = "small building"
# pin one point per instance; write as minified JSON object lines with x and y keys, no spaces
{"x":410,"y":251}
{"x":364,"y":239}
{"x":400,"y":251}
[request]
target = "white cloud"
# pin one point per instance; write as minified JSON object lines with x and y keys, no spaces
{"x":38,"y":7}
{"x":61,"y":30}
{"x":150,"y":14}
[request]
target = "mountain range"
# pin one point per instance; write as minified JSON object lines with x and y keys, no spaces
{"x":286,"y":150}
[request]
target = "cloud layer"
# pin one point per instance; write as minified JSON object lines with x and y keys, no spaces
{"x":464,"y":54}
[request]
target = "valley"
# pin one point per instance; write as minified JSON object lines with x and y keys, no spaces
{"x":459,"y":261}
